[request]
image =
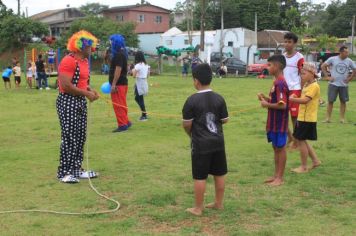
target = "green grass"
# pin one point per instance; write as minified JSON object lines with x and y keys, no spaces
{"x":148,"y":169}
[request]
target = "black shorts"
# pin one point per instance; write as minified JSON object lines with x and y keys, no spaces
{"x":6,"y":79}
{"x":305,"y":131}
{"x":212,"y":163}
{"x":18,"y":79}
{"x":334,"y":91}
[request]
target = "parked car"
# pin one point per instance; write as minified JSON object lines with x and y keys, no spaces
{"x":258,"y":68}
{"x":233,"y":64}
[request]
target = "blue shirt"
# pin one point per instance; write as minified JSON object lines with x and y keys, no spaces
{"x":7,"y":73}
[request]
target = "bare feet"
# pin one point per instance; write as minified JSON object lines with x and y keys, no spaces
{"x":269,"y":180}
{"x":300,"y":170}
{"x":315,"y":165}
{"x":195,"y":211}
{"x":275,"y":183}
{"x":342,"y":121}
{"x":327,"y":121}
{"x":215,"y":206}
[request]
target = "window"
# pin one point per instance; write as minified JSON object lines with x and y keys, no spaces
{"x":186,"y":41}
{"x":120,"y":18}
{"x":169,"y":42}
{"x":141,"y":18}
{"x":230,"y":44}
{"x":158,"y":19}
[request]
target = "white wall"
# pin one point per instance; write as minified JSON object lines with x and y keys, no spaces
{"x":149,"y":42}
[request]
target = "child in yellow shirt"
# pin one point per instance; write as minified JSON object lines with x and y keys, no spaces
{"x":305,"y":128}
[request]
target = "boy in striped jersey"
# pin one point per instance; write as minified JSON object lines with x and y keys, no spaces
{"x":277,"y":121}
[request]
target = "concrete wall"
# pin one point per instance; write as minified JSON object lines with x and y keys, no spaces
{"x":149,"y":42}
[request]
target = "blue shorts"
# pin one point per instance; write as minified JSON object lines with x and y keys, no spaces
{"x":50,"y":60}
{"x":277,"y":139}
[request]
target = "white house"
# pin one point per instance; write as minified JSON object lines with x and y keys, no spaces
{"x":237,"y":41}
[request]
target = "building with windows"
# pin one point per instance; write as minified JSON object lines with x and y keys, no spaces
{"x":58,"y":20}
{"x":149,"y":19}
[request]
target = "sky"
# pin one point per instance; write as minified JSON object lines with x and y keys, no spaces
{"x":36,"y":6}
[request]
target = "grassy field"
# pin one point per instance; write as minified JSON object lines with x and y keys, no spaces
{"x":148,"y":169}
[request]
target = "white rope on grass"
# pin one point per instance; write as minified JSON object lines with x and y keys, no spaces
{"x":90,"y":184}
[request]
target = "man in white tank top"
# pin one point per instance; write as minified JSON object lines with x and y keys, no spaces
{"x":291,"y":73}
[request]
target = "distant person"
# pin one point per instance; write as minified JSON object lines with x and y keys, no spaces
{"x":277,"y":119}
{"x":204,"y":113}
{"x":195,"y":60}
{"x":308,"y":116}
{"x":339,"y":67}
{"x":294,"y":60}
{"x":41,"y":73}
{"x":185,"y":66}
{"x":51,"y":59}
{"x":141,"y":73}
{"x":222,"y":70}
{"x":17,"y":74}
{"x":6,"y":77}
{"x":29,"y":74}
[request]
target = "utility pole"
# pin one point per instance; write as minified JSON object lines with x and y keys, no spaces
{"x":352,"y":35}
{"x":222,"y":31}
{"x":256,"y":29}
{"x":26,"y":12}
{"x":18,"y":7}
{"x":202,"y":24}
{"x":189,"y":15}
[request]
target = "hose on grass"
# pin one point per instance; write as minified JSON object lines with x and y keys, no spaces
{"x":92,"y":187}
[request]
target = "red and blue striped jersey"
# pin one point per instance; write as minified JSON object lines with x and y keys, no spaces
{"x":277,"y":120}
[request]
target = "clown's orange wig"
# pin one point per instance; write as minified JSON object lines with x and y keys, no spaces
{"x":78,"y":41}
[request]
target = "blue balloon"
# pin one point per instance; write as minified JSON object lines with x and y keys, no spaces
{"x":106,"y":88}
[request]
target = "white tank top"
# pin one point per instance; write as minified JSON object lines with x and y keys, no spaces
{"x":291,"y":72}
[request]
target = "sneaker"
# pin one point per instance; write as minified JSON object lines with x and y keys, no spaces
{"x":41,"y":88}
{"x":129,"y":124}
{"x":87,"y":174}
{"x":69,"y":179}
{"x":47,"y":88}
{"x":121,"y":129}
{"x":143,"y":118}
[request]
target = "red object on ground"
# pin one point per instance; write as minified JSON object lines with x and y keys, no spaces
{"x":257,"y":68}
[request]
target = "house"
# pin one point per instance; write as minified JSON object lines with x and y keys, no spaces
{"x":58,"y":20}
{"x":149,"y":19}
{"x":238,"y":42}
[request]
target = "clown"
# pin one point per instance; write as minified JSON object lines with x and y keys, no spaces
{"x":73,"y":79}
{"x":118,"y":81}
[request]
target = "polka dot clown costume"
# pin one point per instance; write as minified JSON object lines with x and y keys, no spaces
{"x":73,"y":77}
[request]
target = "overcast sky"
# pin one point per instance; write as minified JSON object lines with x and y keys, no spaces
{"x":36,"y":6}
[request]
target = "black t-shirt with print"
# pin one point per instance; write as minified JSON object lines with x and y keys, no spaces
{"x":121,"y":61}
{"x":206,"y":109}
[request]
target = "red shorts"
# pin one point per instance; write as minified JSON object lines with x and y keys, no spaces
{"x":294,"y":107}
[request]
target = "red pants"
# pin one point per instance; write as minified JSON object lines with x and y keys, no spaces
{"x":120,"y":105}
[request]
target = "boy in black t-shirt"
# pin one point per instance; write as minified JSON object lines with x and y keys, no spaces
{"x":204,"y":113}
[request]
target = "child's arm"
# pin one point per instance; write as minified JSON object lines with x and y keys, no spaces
{"x":277,"y":106}
{"x":187,"y":125}
{"x":262,"y":97}
{"x":294,"y":98}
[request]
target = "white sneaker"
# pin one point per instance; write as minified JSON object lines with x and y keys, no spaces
{"x":88,"y":174}
{"x":69,"y":179}
{"x":47,"y":88}
{"x":41,"y":88}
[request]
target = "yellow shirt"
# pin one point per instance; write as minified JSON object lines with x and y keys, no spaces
{"x":309,"y":112}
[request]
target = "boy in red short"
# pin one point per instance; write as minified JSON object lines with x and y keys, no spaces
{"x":291,"y":73}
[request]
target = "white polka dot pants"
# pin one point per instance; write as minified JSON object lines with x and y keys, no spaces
{"x":72,"y":113}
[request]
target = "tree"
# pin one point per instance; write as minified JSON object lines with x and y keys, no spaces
{"x":325,"y":42}
{"x":15,"y":30}
{"x":93,"y":8}
{"x":102,"y":28}
{"x":292,"y":19}
{"x":338,"y":18}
